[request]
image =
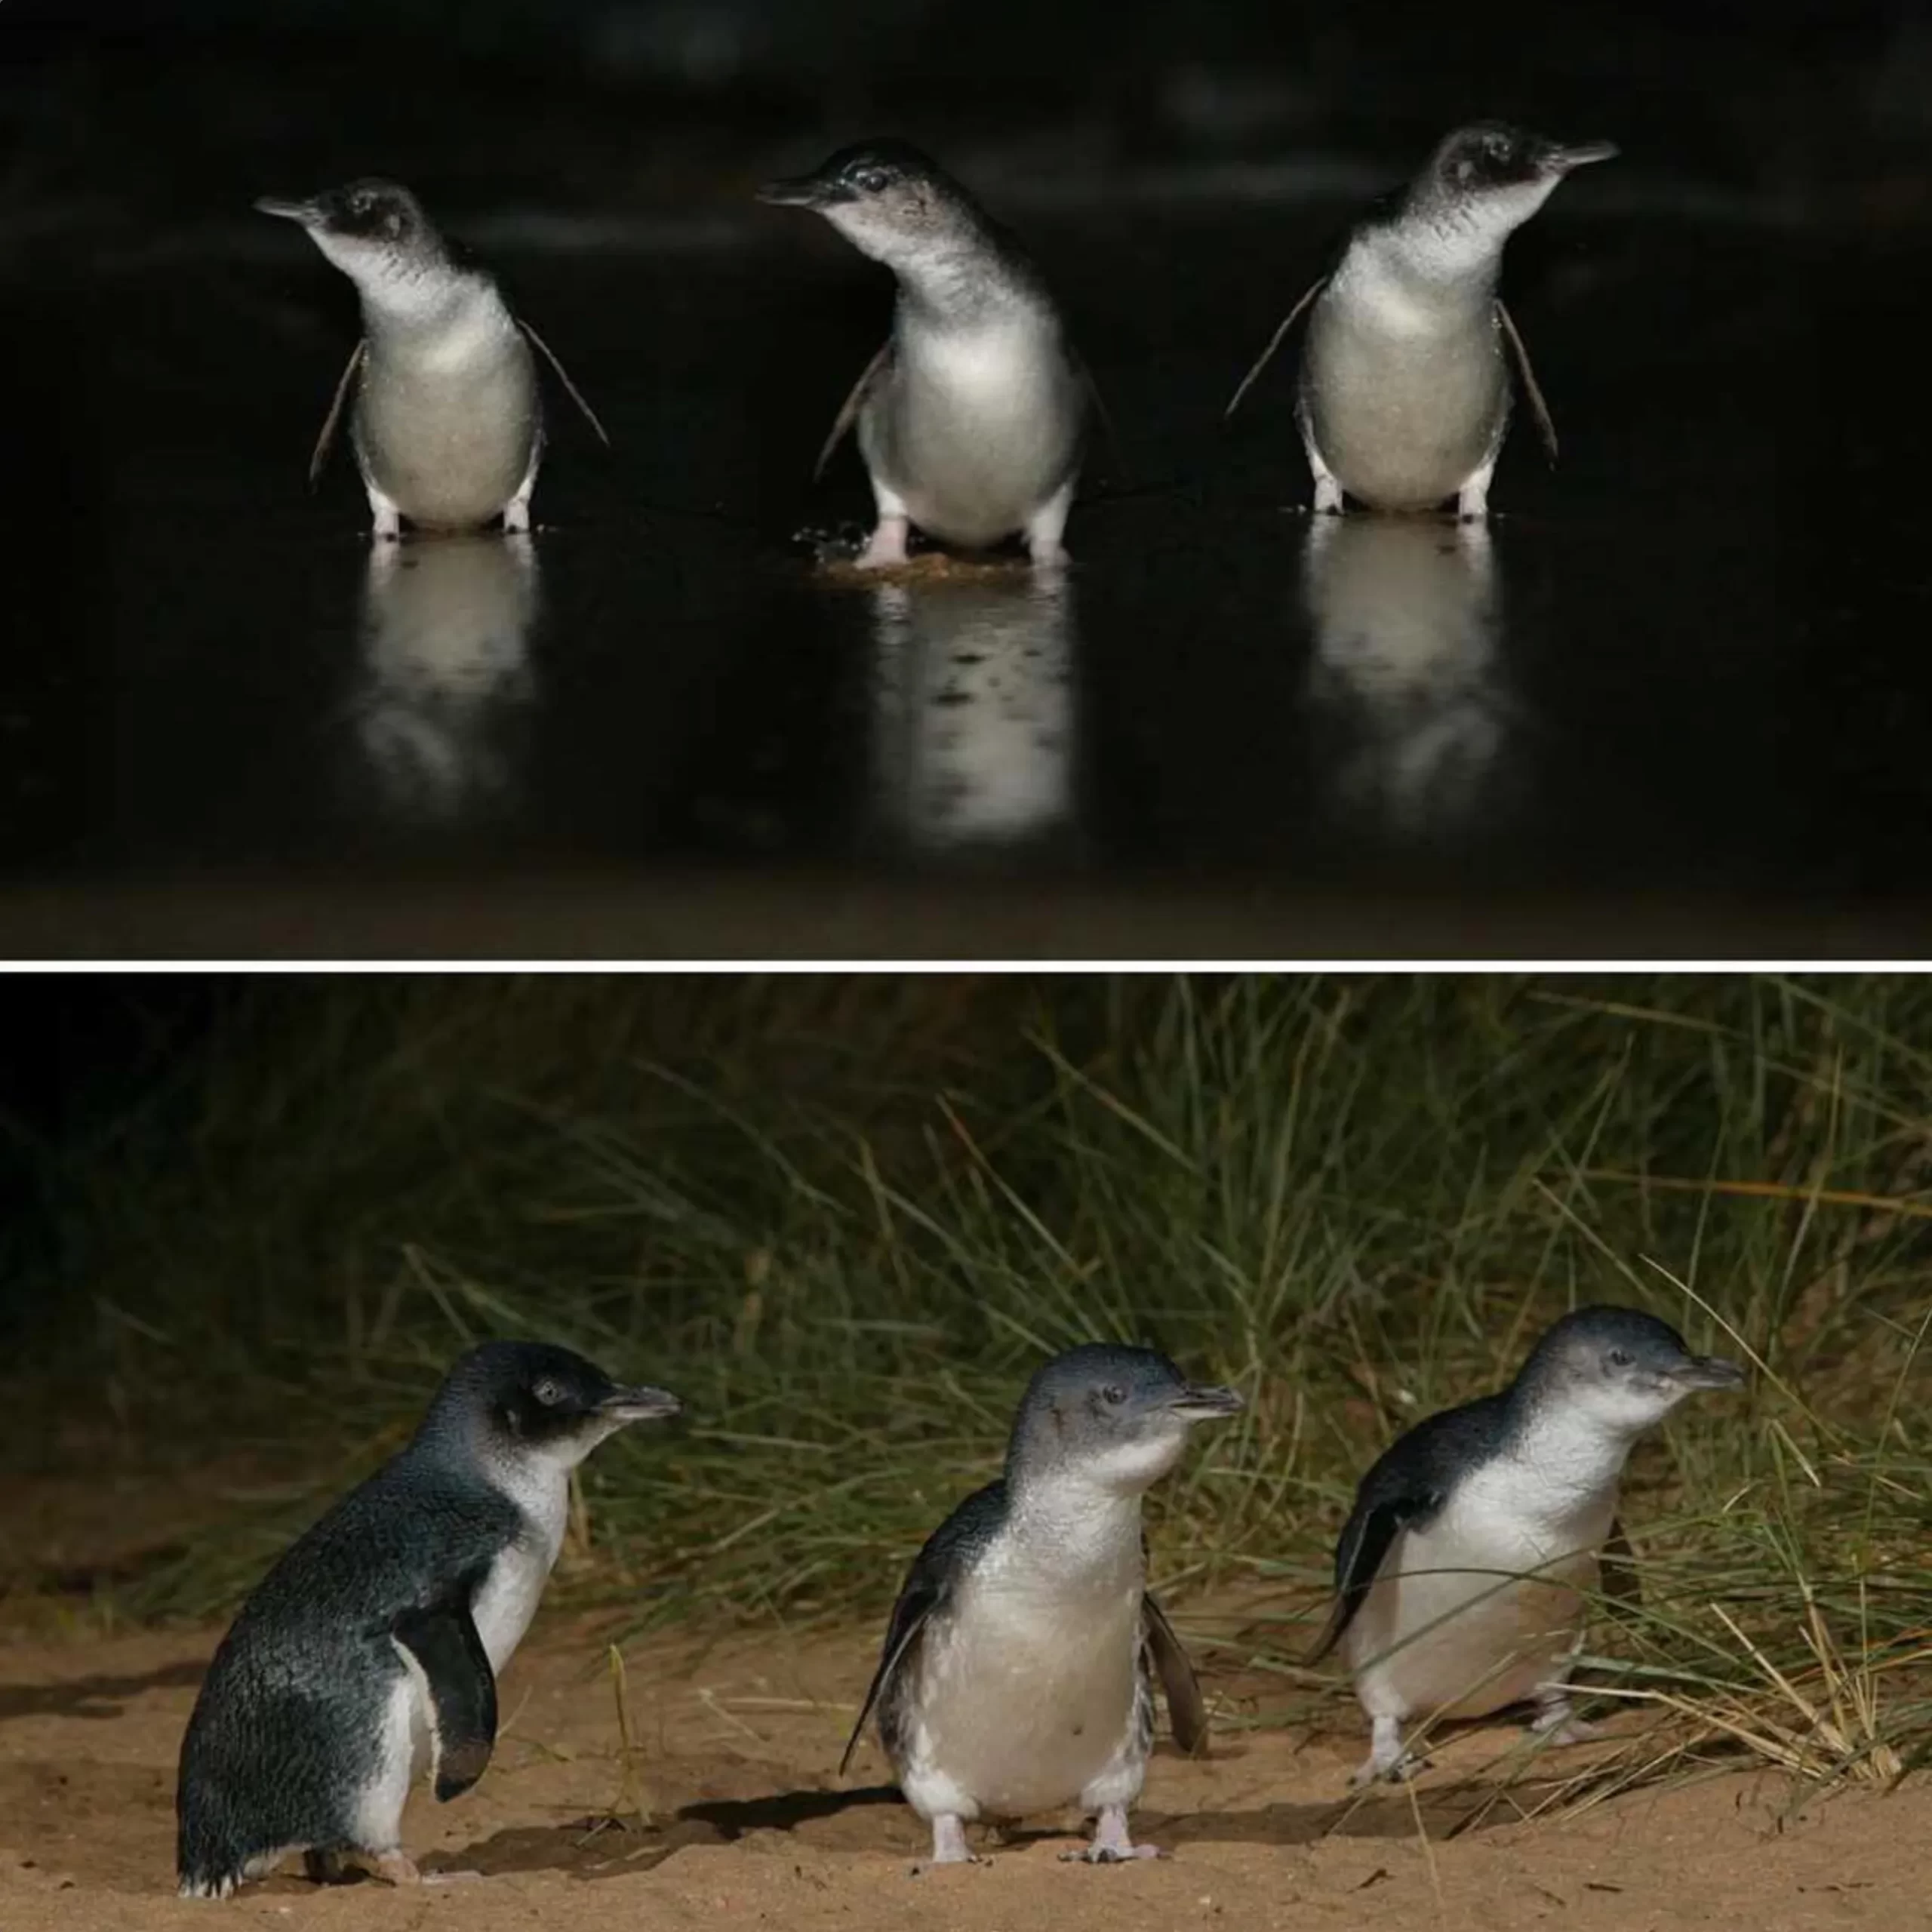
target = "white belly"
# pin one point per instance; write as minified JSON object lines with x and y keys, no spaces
{"x":511,"y":1592}
{"x":1445,"y":1632}
{"x":975,"y":431}
{"x":448,"y":429}
{"x":1024,"y":1704}
{"x":1404,"y":404}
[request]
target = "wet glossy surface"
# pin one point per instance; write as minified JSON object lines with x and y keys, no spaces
{"x":1692,"y":662}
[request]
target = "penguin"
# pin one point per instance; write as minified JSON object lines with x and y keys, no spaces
{"x":1405,"y":392}
{"x":1016,"y":1675}
{"x":971,"y":417}
{"x":447,"y":421}
{"x":371,"y":1651}
{"x":1461,"y":1572}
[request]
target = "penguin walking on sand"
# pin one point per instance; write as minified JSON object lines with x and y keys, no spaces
{"x":370,"y":1652}
{"x":1463,"y":1571}
{"x":446,"y":421}
{"x":1017,"y":1673}
{"x":1405,"y":388}
{"x":970,"y":418}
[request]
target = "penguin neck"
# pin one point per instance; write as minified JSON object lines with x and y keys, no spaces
{"x":1453,"y":246}
{"x":1076,"y":1530}
{"x":535,"y":1480}
{"x":1574,"y":1452}
{"x":961,"y":284}
{"x":417,"y":301}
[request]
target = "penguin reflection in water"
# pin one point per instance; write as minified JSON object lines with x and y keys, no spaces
{"x":371,"y":1651}
{"x":1017,"y":1672}
{"x":1461,"y":1573}
{"x":447,"y":421}
{"x":970,"y":418}
{"x":1404,"y":392}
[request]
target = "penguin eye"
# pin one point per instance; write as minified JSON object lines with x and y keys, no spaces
{"x":872,"y":180}
{"x":548,"y":1392}
{"x":1620,"y":1358}
{"x":1113,"y":1394}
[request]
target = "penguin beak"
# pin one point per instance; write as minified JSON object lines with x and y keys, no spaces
{"x":640,"y":1405}
{"x":804,"y":191}
{"x":1561,"y":160}
{"x":305,"y":212}
{"x":1202,"y":1402}
{"x":1710,"y":1372}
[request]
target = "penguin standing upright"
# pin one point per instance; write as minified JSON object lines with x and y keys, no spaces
{"x":446,"y":419}
{"x":1461,"y":1573}
{"x":970,"y":418}
{"x":371,"y":1651}
{"x":1017,"y":1673}
{"x":1405,"y":392}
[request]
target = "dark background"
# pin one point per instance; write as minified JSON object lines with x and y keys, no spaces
{"x":1714,"y":608}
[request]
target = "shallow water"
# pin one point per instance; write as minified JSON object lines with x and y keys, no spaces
{"x":1687,"y":665}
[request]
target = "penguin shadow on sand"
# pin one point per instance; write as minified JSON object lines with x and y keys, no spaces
{"x":612,"y":1846}
{"x":95,"y":1696}
{"x":444,"y":684}
{"x":1407,"y":688}
{"x":974,"y":700}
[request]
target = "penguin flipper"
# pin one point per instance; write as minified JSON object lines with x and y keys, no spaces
{"x":332,"y":423}
{"x":463,"y":1691}
{"x":1538,"y":409}
{"x":1098,"y":404}
{"x":1365,"y":1540}
{"x":1187,"y":1710}
{"x":917,"y":1602}
{"x":1267,"y":355}
{"x":570,"y":390}
{"x":848,"y":410}
{"x":948,"y":1553}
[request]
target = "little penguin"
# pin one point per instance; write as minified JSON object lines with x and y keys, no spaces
{"x":1461,"y":1573}
{"x":446,"y":422}
{"x":371,"y":1651}
{"x":1016,"y":1675}
{"x":1405,"y":391}
{"x":970,"y":418}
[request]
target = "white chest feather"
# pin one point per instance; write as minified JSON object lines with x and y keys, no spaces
{"x":1026,"y":1692}
{"x":510,"y":1594}
{"x":1483,"y":1605}
{"x":987,"y":363}
{"x":1404,"y":383}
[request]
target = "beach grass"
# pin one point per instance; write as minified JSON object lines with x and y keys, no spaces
{"x":843,"y":1219}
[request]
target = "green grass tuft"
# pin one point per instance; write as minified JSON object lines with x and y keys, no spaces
{"x":844,"y":1218}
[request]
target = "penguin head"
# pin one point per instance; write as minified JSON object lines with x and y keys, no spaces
{"x":535,"y":1399}
{"x":1623,"y":1370}
{"x":368,"y":229}
{"x":887,"y":198}
{"x":1115,"y":1417}
{"x":1494,"y":177}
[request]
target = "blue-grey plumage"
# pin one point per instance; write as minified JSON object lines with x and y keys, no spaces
{"x":370,"y":1651}
{"x":1017,"y":1673}
{"x":1462,"y":1573}
{"x":1404,"y":390}
{"x":445,"y":413}
{"x":970,"y":418}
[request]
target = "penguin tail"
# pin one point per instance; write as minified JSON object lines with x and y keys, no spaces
{"x":207,"y":1881}
{"x":205,"y":1867}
